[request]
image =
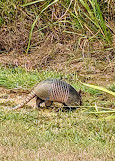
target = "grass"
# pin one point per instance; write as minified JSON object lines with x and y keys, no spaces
{"x":80,"y":15}
{"x":58,"y":133}
{"x":100,"y":88}
{"x":49,"y":135}
{"x":20,"y":78}
{"x":112,"y":87}
{"x":87,"y":133}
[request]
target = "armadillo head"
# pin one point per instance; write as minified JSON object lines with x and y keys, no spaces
{"x":74,"y":98}
{"x":77,"y":99}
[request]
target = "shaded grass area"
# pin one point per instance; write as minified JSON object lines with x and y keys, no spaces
{"x":60,"y":133}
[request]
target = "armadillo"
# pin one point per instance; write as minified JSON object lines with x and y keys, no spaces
{"x":53,"y":90}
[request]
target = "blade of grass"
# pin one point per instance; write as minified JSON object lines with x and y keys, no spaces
{"x":28,"y":4}
{"x":76,"y":13}
{"x":85,"y":4}
{"x":102,"y":23}
{"x":99,"y":88}
{"x":101,"y":112}
{"x":108,"y":117}
{"x":32,"y":27}
{"x":35,"y":23}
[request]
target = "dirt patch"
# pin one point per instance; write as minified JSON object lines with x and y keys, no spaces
{"x":10,"y":98}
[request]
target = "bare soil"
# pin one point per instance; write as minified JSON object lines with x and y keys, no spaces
{"x":9,"y":98}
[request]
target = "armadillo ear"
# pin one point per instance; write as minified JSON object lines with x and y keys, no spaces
{"x":79,"y":92}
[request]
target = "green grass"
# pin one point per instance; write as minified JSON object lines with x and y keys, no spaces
{"x":8,"y":11}
{"x":112,"y":87}
{"x":20,"y":78}
{"x":60,"y":133}
{"x":45,"y":134}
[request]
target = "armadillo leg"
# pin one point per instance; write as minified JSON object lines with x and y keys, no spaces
{"x":38,"y":101}
{"x":64,"y":104}
{"x":68,"y":108}
{"x":48,"y":103}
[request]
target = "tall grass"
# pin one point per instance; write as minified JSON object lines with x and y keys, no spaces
{"x":86,"y":18}
{"x":47,"y":6}
{"x":77,"y":17}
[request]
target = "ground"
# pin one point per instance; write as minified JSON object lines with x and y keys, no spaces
{"x":49,"y":134}
{"x":96,"y":66}
{"x":71,"y":41}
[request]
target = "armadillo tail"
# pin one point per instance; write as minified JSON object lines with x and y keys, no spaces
{"x":29,"y":97}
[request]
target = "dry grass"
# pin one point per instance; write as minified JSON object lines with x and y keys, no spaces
{"x":58,"y":21}
{"x":14,"y":37}
{"x":44,"y":135}
{"x":19,"y":154}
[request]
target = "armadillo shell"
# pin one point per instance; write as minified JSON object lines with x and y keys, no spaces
{"x":59,"y":91}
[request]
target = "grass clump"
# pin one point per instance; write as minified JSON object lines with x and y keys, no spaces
{"x":112,"y":87}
